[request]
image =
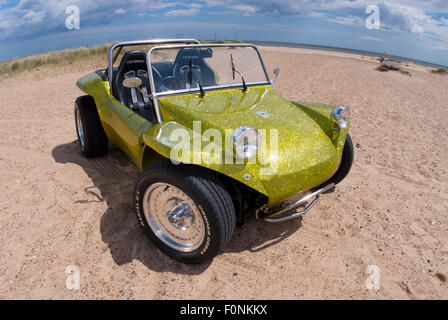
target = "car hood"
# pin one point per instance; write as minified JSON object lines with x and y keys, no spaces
{"x":297,"y":154}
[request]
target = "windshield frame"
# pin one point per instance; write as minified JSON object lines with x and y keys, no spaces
{"x":210,"y":88}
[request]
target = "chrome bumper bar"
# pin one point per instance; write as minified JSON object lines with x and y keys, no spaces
{"x":268,"y":216}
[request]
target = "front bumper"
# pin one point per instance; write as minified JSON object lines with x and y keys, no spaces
{"x":278,"y":214}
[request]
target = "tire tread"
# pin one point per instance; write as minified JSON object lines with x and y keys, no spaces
{"x":95,"y":139}
{"x":208,"y":184}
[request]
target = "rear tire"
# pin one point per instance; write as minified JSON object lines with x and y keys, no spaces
{"x":206,"y":223}
{"x":91,"y":136}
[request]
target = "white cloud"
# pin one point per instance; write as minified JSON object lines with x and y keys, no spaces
{"x":441,"y":47}
{"x":195,"y":5}
{"x":245,"y":9}
{"x":371,"y":38}
{"x":182,"y":12}
{"x":399,"y":15}
{"x":34,"y":17}
{"x":349,"y":21}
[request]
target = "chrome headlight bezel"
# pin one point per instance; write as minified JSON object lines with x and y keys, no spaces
{"x":245,"y":149}
{"x":341,"y":115}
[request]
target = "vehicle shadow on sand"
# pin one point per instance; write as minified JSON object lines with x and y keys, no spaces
{"x":114,"y":176}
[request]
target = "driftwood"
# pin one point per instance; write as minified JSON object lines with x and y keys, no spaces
{"x":391,"y":65}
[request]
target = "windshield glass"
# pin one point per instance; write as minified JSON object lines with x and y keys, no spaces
{"x":188,"y":67}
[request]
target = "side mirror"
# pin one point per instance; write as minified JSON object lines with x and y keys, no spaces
{"x":276,"y":73}
{"x":132,"y":82}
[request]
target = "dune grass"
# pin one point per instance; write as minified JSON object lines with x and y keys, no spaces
{"x":8,"y":67}
{"x":405,"y":72}
{"x":386,"y":67}
{"x":223,"y":41}
{"x":440,"y":71}
{"x":382,"y":68}
{"x":392,"y":67}
{"x":51,"y":58}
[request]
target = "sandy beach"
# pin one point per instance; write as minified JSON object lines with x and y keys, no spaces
{"x":59,"y":209}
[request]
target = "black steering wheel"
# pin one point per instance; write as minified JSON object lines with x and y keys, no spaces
{"x":169,"y":83}
{"x":157,"y":78}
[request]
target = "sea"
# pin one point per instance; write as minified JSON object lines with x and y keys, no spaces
{"x":327,"y":48}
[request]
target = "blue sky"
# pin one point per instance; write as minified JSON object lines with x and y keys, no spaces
{"x":414,"y":29}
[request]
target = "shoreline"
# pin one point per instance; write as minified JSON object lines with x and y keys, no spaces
{"x":266,"y":44}
{"x":343,"y":50}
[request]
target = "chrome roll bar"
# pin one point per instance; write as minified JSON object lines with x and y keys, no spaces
{"x":192,"y":43}
{"x":116,"y":45}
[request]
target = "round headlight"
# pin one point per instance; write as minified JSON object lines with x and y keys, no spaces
{"x":246,"y":141}
{"x":342,"y":116}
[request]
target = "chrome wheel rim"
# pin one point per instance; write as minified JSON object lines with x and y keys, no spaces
{"x":173,"y":217}
{"x":79,"y":127}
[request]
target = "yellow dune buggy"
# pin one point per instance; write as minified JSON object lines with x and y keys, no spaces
{"x":213,"y":140}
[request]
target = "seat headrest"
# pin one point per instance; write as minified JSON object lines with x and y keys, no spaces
{"x":184,"y":55}
{"x":133,"y":60}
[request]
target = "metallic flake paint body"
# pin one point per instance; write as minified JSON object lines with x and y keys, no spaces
{"x":309,"y":148}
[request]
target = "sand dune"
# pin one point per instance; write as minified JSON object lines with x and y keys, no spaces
{"x":60,"y":209}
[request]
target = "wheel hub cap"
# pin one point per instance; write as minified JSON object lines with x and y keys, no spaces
{"x":173,"y":217}
{"x":181,"y":216}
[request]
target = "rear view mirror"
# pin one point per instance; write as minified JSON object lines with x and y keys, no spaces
{"x":276,"y":73}
{"x":132,"y":82}
{"x":206,"y":53}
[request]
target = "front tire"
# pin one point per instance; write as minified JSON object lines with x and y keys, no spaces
{"x":184,"y":210}
{"x":91,"y":137}
{"x":348,"y":155}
